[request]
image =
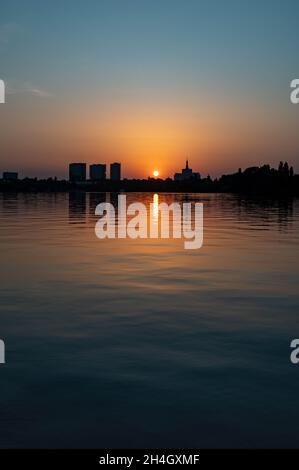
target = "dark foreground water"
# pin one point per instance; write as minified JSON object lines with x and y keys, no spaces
{"x":140,"y":343}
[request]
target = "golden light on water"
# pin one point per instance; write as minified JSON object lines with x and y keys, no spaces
{"x":155,"y":208}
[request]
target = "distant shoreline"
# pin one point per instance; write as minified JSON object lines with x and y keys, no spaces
{"x":129,"y":186}
{"x":255,"y":180}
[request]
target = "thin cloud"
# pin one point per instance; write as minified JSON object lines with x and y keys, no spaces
{"x":26,"y":88}
{"x":8,"y":31}
{"x":40,"y":93}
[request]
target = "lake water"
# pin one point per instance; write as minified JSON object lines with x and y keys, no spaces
{"x":141,"y":343}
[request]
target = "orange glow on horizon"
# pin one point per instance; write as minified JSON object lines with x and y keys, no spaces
{"x":143,"y":137}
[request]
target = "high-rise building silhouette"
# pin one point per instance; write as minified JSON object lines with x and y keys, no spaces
{"x":97,"y":172}
{"x":186,"y":174}
{"x":10,"y":176}
{"x":115,"y":171}
{"x":77,"y":172}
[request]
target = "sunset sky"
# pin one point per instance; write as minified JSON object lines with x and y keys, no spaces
{"x":148,"y":83}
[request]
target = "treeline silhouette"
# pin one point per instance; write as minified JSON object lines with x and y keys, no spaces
{"x":262,"y":179}
{"x":253,"y":180}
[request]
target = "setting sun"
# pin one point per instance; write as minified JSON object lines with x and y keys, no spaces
{"x":156,"y":173}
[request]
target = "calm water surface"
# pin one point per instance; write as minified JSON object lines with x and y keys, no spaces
{"x":140,"y":343}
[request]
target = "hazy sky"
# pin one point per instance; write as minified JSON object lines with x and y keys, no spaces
{"x":148,"y":83}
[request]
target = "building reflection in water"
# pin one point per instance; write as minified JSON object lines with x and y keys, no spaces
{"x":94,"y":200}
{"x":258,"y":213}
{"x":77,"y":207}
